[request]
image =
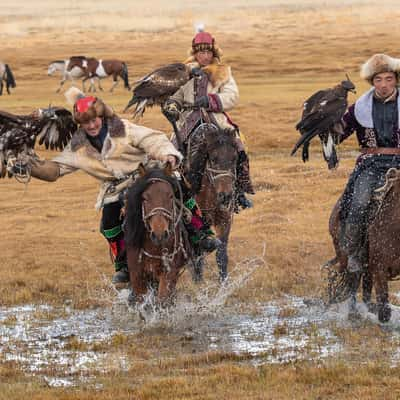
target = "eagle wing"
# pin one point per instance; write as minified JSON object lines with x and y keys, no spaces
{"x":53,"y":127}
{"x":320,"y":113}
{"x":156,"y":87}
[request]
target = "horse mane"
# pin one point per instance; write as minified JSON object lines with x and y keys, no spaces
{"x":134,"y":225}
{"x":221,"y":138}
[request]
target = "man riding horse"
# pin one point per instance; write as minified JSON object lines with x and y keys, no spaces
{"x":110,"y":149}
{"x":206,"y":98}
{"x":375,"y":119}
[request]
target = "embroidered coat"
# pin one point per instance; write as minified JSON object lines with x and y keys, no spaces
{"x":125,"y":147}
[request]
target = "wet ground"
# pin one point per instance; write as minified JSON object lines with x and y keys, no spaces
{"x":68,"y":346}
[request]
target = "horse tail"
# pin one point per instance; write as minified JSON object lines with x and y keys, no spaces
{"x":124,"y":76}
{"x":10,"y":77}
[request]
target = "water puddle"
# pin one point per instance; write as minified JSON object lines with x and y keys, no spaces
{"x":67,"y":346}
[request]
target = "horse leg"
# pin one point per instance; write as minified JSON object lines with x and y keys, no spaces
{"x":382,"y":293}
{"x":198,"y":268}
{"x":166,"y":288}
{"x":61,"y":85}
{"x":115,"y":83}
{"x":1,"y":87}
{"x":8,"y":88}
{"x":136,"y":274}
{"x":99,"y":85}
{"x":367,"y":284}
{"x":223,"y":231}
{"x":92,"y":87}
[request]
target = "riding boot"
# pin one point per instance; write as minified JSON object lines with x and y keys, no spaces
{"x":115,"y":238}
{"x":243,"y":182}
{"x":200,"y":234}
{"x":353,"y":239}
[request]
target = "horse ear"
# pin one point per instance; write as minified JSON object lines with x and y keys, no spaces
{"x":142,"y":170}
{"x":168,"y":170}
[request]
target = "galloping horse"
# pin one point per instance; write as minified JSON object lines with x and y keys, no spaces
{"x":67,"y":74}
{"x":383,"y":242}
{"x":155,"y":241}
{"x":100,"y":69}
{"x":214,"y":151}
{"x":7,"y":76}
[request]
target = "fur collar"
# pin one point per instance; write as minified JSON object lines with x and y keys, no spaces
{"x":116,"y":128}
{"x":363,"y":109}
{"x":218,"y":73}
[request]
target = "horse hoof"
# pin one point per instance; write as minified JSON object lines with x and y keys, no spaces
{"x":131,"y":299}
{"x":384,"y":313}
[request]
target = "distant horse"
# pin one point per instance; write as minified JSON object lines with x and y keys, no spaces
{"x":383,"y":243}
{"x":214,"y":151}
{"x":6,"y":76}
{"x":100,"y":69}
{"x":71,"y":74}
{"x":155,"y":241}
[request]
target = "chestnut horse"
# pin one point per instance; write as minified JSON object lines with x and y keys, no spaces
{"x":214,"y":151}
{"x":383,"y":243}
{"x":154,"y":233}
{"x":6,"y":76}
{"x":93,"y":68}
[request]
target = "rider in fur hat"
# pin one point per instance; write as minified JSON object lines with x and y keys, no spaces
{"x":110,"y":149}
{"x":375,"y":119}
{"x":213,"y":91}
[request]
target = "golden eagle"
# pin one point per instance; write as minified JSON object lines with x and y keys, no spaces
{"x":53,"y":127}
{"x":322,"y":115}
{"x":156,"y":87}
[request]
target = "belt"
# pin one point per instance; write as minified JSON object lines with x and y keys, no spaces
{"x":381,"y":150}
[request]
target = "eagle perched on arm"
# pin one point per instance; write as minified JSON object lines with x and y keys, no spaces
{"x":322,"y":114}
{"x":53,"y":127}
{"x":158,"y":86}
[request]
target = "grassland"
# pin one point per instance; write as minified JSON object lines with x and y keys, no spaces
{"x":51,"y":250}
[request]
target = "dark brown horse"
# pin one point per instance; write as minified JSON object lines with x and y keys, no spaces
{"x":100,"y":69}
{"x":6,"y":76}
{"x":216,"y":150}
{"x":154,"y":233}
{"x":383,"y":243}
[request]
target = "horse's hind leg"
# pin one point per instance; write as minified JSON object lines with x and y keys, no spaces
{"x":198,"y":268}
{"x":367,"y":284}
{"x":99,"y":85}
{"x":382,"y":294}
{"x":8,"y":88}
{"x":1,"y":88}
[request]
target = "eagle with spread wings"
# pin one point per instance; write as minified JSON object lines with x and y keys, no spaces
{"x":322,"y":115}
{"x":53,"y":127}
{"x":158,"y":86}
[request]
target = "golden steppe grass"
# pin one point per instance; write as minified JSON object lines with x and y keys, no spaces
{"x":51,"y":250}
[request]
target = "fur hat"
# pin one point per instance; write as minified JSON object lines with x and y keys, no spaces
{"x":87,"y":107}
{"x":377,"y":64}
{"x":204,"y":41}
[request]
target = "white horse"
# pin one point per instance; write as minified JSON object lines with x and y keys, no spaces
{"x":6,"y":76}
{"x":75,"y":73}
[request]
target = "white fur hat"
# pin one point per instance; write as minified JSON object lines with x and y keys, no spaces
{"x":377,"y":64}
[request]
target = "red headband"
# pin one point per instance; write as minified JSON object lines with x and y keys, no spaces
{"x":82,"y":105}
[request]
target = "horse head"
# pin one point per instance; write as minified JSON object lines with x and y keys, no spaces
{"x":221,"y":164}
{"x":158,"y":202}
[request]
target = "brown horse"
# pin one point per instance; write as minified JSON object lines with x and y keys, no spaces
{"x":214,"y":151}
{"x":6,"y":76}
{"x":154,"y":233}
{"x":383,"y":243}
{"x":100,"y":69}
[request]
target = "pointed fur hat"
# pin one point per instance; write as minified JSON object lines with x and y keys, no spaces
{"x":377,"y":64}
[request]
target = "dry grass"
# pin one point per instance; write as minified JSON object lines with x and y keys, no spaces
{"x":52,"y":252}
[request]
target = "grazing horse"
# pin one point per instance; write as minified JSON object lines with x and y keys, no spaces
{"x":67,"y":74}
{"x":154,"y":233}
{"x":214,"y":151}
{"x":100,"y":69}
{"x":6,"y":76}
{"x":383,"y":243}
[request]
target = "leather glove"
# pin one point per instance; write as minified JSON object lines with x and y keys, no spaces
{"x":171,"y":111}
{"x":202,"y":102}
